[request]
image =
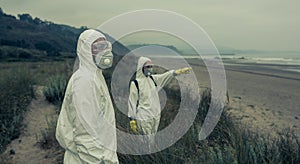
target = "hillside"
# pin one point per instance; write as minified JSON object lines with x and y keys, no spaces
{"x":27,"y":37}
{"x":135,"y":46}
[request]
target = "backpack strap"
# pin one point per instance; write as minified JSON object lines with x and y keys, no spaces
{"x":138,"y":90}
{"x":153,"y":80}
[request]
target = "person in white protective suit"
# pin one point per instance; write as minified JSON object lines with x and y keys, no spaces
{"x":143,"y":104}
{"x":86,"y":124}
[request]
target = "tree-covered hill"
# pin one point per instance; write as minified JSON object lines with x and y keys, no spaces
{"x":24,"y":35}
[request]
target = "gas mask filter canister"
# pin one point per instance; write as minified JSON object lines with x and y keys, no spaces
{"x":104,"y":57}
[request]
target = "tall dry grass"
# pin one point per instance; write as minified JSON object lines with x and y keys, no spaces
{"x":16,"y":94}
{"x":16,"y":91}
{"x":228,"y":143}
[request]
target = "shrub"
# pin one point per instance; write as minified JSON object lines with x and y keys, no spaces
{"x":25,"y":55}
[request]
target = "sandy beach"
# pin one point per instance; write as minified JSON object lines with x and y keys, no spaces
{"x":263,"y":97}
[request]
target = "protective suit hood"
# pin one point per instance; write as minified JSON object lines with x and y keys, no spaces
{"x":84,"y":49}
{"x":86,"y":125}
{"x":139,"y":72}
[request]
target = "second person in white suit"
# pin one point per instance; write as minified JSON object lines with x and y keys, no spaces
{"x":144,"y":108}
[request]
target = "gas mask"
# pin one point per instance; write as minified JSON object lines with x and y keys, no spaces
{"x":104,"y":56}
{"x":148,"y":70}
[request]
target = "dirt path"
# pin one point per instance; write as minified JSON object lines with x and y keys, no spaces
{"x":26,"y":149}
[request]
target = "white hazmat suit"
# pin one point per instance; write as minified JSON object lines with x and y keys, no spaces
{"x":147,"y":112}
{"x":86,"y":124}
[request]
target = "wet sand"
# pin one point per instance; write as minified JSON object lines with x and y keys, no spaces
{"x":262,"y":96}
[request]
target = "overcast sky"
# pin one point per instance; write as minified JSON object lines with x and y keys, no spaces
{"x":237,"y":24}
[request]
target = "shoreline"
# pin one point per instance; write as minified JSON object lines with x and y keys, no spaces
{"x":261,"y":97}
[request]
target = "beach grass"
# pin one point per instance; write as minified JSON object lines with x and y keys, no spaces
{"x":16,"y":85}
{"x":16,"y":94}
{"x":54,"y":90}
{"x":230,"y":142}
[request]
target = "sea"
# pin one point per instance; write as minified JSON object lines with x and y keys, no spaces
{"x":289,"y":61}
{"x":282,"y":61}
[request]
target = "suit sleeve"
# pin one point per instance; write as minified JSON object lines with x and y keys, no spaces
{"x":163,"y":79}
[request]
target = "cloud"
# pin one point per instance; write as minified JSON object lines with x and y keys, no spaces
{"x":268,"y":25}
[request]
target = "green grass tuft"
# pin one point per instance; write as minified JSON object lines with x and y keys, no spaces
{"x":54,"y":90}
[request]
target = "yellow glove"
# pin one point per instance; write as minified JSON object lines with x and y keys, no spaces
{"x":185,"y":70}
{"x":133,"y":126}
